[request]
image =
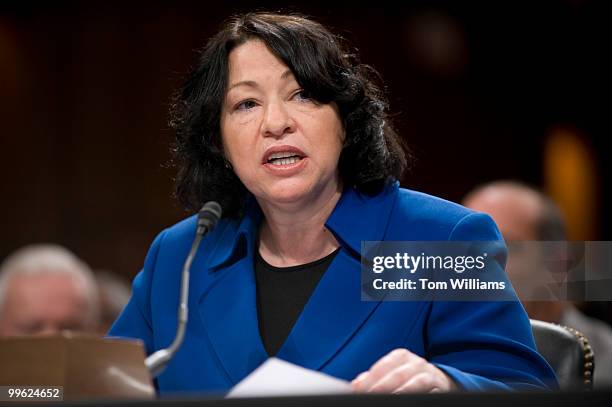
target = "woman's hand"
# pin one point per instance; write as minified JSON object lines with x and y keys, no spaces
{"x":401,"y":371}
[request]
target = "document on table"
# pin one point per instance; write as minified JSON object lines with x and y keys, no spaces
{"x":275,"y":377}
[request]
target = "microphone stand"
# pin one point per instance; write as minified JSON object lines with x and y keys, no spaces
{"x":207,"y":219}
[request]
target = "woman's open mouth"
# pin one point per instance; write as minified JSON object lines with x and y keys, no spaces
{"x":284,"y":160}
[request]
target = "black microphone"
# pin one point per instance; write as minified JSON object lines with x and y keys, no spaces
{"x":208,"y":217}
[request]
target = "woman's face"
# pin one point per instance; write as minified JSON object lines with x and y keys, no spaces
{"x":282,"y":145}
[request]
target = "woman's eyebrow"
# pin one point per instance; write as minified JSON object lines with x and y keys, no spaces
{"x":285,"y":75}
{"x":251,"y":84}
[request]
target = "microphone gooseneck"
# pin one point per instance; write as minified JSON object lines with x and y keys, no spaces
{"x":208,"y":217}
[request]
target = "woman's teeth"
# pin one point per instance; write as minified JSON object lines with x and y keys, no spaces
{"x":284,"y":161}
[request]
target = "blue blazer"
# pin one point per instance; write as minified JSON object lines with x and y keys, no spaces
{"x":481,"y":345}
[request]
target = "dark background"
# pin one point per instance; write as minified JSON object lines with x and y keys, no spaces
{"x":476,"y":88}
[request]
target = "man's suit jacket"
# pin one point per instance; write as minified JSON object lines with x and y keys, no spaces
{"x":481,"y":345}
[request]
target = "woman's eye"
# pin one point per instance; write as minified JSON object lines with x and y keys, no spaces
{"x":303,"y":95}
{"x":246,"y":105}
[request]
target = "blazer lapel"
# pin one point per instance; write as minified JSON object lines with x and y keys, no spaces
{"x":228,"y":305}
{"x":330,"y":318}
{"x":229,"y":313}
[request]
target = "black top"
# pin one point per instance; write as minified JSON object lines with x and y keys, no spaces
{"x":282,"y":293}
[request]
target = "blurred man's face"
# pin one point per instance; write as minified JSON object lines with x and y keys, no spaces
{"x":516,"y":213}
{"x":45,"y":304}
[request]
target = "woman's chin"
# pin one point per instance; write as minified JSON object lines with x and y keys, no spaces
{"x":295,"y":191}
{"x":288,"y":198}
{"x":289,"y":195}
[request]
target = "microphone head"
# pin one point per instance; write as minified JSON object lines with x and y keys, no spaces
{"x":209,"y":215}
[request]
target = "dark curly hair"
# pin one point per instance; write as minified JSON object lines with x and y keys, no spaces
{"x":372,"y":154}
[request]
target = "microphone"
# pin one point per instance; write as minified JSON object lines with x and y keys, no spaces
{"x":208,"y":217}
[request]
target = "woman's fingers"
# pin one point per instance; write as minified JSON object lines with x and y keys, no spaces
{"x":401,"y":371}
{"x":383,"y":367}
{"x":394,"y":379}
{"x":424,"y":382}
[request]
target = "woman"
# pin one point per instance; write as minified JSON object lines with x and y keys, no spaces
{"x":288,"y":132}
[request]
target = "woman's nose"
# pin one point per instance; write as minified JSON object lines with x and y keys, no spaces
{"x":277,"y":120}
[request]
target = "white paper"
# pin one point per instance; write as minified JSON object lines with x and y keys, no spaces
{"x":275,"y":377}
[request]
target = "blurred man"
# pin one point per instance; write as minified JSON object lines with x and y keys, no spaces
{"x":45,"y":289}
{"x":524,"y":214}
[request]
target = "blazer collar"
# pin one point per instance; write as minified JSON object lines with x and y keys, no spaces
{"x":352,"y":221}
{"x":358,"y":217}
{"x":238,"y":238}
